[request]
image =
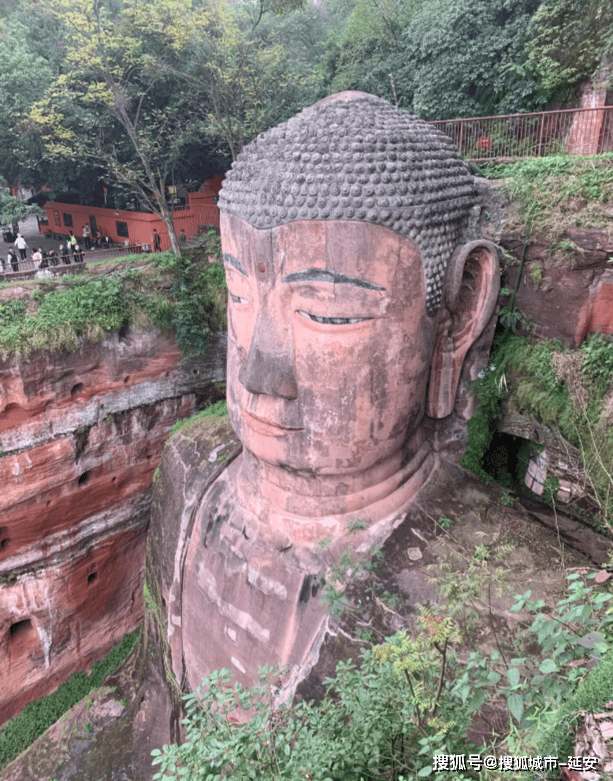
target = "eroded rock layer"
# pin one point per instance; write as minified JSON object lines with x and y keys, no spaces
{"x":570,"y":298}
{"x":81,"y":434}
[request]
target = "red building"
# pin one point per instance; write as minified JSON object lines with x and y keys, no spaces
{"x":134,"y":228}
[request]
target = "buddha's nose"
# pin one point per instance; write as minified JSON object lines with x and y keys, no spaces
{"x":269,"y":367}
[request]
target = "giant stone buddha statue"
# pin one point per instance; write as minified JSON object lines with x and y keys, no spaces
{"x":354,"y":297}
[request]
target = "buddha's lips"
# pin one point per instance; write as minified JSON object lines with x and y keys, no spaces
{"x":266,"y":427}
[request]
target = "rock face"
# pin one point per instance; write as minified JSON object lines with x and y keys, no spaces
{"x":565,"y":300}
{"x":81,"y":435}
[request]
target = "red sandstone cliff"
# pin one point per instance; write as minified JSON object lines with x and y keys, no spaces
{"x":570,"y":297}
{"x":81,"y":434}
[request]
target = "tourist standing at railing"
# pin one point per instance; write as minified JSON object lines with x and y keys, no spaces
{"x":64,"y":254}
{"x":78,"y":254}
{"x":72,"y":241}
{"x":98,"y":237}
{"x":52,"y":258}
{"x":182,"y":238}
{"x":87,"y":236}
{"x":37,"y":257}
{"x":156,"y":241}
{"x":21,"y":245}
{"x":12,"y":259}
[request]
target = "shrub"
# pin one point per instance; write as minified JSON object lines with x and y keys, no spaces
{"x":21,"y":731}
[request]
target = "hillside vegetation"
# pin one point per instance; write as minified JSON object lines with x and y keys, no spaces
{"x":185,"y":294}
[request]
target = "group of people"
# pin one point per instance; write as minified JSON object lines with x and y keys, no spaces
{"x":97,"y":241}
{"x":67,"y":253}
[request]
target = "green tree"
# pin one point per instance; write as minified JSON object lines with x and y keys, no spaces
{"x":112,"y":107}
{"x":143,"y":81}
{"x":439,"y":59}
{"x":462,"y":59}
{"x":13,"y":210}
{"x":569,"y":40}
{"x":24,"y":76}
{"x":369,"y":46}
{"x":239,"y":70}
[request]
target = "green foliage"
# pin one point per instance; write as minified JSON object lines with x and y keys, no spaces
{"x":165,"y":291}
{"x":410,"y":698}
{"x":11,"y":311}
{"x":576,"y":402}
{"x":210,"y":243}
{"x":219,"y":409}
{"x":13,"y":209}
{"x":199,"y":292}
{"x":569,"y":39}
{"x":597,"y":366}
{"x":593,"y":692}
{"x":24,"y":75}
{"x":545,"y":189}
{"x":89,"y":307}
{"x":489,"y":390}
{"x":443,"y":62}
{"x":344,"y":569}
{"x":510,"y":318}
{"x":464,"y":59}
{"x":244,"y":71}
{"x":364,"y":729}
{"x":17,"y":734}
{"x":356,"y":525}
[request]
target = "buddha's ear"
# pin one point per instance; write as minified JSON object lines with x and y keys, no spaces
{"x":471,"y":292}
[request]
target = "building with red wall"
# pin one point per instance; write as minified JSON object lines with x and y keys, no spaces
{"x":135,"y":228}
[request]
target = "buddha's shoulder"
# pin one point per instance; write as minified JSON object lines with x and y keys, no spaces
{"x":195,"y":456}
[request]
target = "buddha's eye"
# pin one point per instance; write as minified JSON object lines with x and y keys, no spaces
{"x":237,"y":299}
{"x":333,"y":320}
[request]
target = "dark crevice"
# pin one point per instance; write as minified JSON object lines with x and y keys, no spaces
{"x":20,"y":628}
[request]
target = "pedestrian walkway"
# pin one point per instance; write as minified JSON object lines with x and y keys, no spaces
{"x":29,"y":230}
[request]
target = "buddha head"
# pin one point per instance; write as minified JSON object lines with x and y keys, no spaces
{"x":353,"y":295}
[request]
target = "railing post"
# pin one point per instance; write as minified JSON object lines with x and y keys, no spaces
{"x":538,"y":152}
{"x":460,"y":138}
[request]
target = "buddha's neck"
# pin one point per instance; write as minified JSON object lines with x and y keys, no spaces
{"x":372,"y":494}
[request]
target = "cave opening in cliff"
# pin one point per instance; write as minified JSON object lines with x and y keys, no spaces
{"x":20,"y":628}
{"x":83,"y":478}
{"x":91,"y":578}
{"x":4,"y":543}
{"x":507,"y":457}
{"x":76,"y":389}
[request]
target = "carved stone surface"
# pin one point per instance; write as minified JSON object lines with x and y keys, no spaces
{"x":345,"y":329}
{"x":355,"y":157}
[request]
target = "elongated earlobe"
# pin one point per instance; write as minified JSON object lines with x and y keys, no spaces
{"x":471,"y":292}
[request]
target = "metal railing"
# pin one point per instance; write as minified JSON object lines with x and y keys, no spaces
{"x":576,"y":131}
{"x":25,"y":269}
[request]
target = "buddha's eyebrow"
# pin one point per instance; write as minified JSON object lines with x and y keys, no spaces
{"x":234,"y":262}
{"x":323,"y":275}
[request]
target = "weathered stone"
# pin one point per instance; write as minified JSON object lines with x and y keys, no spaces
{"x":81,"y":434}
{"x":62,"y":617}
{"x":535,"y":552}
{"x":344,"y":332}
{"x":564,"y":300}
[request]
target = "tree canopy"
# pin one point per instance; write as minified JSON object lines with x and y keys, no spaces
{"x":570,"y":39}
{"x":146,"y":93}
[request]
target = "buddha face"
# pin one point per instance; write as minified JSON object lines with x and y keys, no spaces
{"x":329,"y":345}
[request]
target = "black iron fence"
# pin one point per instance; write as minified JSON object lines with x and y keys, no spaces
{"x":580,"y":131}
